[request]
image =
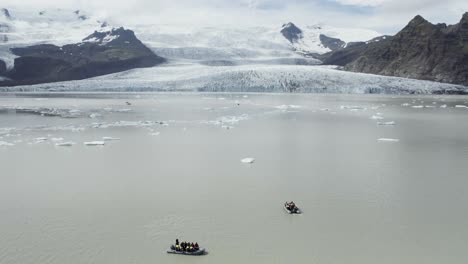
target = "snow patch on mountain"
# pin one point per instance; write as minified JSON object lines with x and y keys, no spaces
{"x":309,"y":42}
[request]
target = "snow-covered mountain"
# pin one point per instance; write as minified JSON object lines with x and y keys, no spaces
{"x":319,"y":38}
{"x":257,"y":58}
{"x":61,"y":26}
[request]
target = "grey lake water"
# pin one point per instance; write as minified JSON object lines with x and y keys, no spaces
{"x":176,"y":172}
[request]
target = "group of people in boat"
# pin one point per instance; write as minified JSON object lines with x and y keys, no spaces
{"x":291,"y":206}
{"x":185,"y":246}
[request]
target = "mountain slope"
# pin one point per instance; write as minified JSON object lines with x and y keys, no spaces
{"x":421,"y":50}
{"x":98,"y":54}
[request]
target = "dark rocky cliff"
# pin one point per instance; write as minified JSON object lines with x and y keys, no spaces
{"x":3,"y":67}
{"x":100,"y":53}
{"x":421,"y":50}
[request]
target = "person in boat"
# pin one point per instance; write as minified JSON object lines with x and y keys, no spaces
{"x":177,"y":246}
{"x":196,"y":246}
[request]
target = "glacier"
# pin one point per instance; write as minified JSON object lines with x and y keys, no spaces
{"x":245,"y":78}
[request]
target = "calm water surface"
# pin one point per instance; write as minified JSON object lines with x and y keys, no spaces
{"x":176,"y":173}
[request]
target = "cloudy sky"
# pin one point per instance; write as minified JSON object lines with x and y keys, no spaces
{"x":386,"y":16}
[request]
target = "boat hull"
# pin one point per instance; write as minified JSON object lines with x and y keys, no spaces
{"x":199,"y":252}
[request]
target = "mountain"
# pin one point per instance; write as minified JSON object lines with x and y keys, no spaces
{"x":319,"y":39}
{"x":198,"y":58}
{"x":98,"y":54}
{"x":421,"y":50}
{"x":3,"y":67}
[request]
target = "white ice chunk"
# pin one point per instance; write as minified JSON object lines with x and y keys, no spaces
{"x":110,"y":138}
{"x":95,"y":115}
{"x":65,"y":144}
{"x":376,"y":117}
{"x":248,"y":160}
{"x":388,"y":140}
{"x":443,"y":106}
{"x":418,"y":106}
{"x":6,"y":144}
{"x":286,"y":107}
{"x":95,"y":143}
{"x":124,"y":110}
{"x":461,"y":106}
{"x":391,"y":123}
{"x":352,"y":107}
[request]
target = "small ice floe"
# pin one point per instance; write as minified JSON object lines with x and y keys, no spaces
{"x":391,"y":123}
{"x":418,"y":106}
{"x":125,"y":110}
{"x":405,"y":104}
{"x":287,"y":107}
{"x":376,"y":117}
{"x":95,"y":143}
{"x":6,"y":144}
{"x":461,"y":106}
{"x":65,"y":144}
{"x":95,"y":115}
{"x":155,"y":134}
{"x":57,"y":139}
{"x":443,"y":106}
{"x":248,"y":160}
{"x":110,"y":138}
{"x":429,"y":106}
{"x":352,"y":107}
{"x":388,"y":140}
{"x":40,"y":140}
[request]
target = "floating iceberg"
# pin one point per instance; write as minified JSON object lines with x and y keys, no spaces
{"x":388,"y":140}
{"x":6,"y":144}
{"x":95,"y":115}
{"x":418,"y":106}
{"x":95,"y":143}
{"x":65,"y":144}
{"x":443,"y":106}
{"x":376,"y":117}
{"x":248,"y":160}
{"x":461,"y":106}
{"x":287,"y":107}
{"x":110,"y":138}
{"x":391,"y":123}
{"x":124,"y":110}
{"x":352,"y":107}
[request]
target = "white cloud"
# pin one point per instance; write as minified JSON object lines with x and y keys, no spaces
{"x":371,"y":3}
{"x":386,"y":16}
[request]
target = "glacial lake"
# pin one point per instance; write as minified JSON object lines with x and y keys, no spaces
{"x":380,"y":179}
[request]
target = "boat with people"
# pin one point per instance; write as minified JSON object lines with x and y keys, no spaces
{"x":186,"y":248}
{"x":291,"y":208}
